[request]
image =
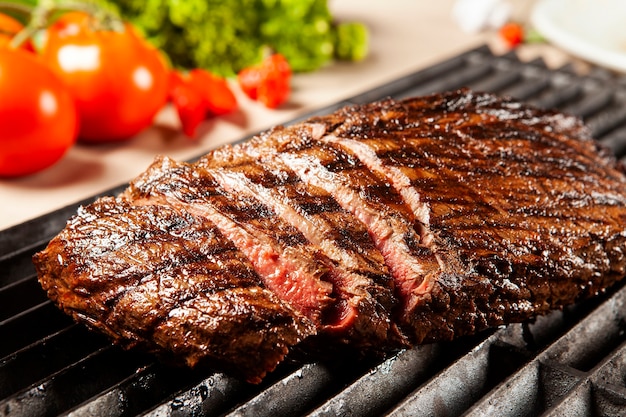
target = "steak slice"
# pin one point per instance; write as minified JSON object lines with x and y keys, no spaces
{"x":393,"y":227}
{"x":168,"y":282}
{"x":365,"y":294}
{"x":484,"y":211}
{"x":391,"y":224}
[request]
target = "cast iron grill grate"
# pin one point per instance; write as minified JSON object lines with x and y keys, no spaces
{"x":570,"y":362}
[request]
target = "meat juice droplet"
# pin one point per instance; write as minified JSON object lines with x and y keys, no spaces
{"x":204,"y":392}
{"x":177,"y":404}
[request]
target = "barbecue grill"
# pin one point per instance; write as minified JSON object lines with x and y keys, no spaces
{"x":568,"y":363}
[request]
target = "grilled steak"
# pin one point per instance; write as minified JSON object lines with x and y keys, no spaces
{"x":374,"y":228}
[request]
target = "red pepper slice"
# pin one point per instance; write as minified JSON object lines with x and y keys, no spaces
{"x":268,"y":82}
{"x":188,"y":102}
{"x":199,"y":94}
{"x":219,"y":98}
{"x":249,"y":80}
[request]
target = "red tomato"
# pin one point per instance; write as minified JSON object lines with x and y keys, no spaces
{"x":38,"y":119}
{"x":118,"y":80}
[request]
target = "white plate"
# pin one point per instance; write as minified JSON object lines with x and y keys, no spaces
{"x":594,"y":30}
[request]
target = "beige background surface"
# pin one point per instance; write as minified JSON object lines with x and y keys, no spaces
{"x":406,"y":35}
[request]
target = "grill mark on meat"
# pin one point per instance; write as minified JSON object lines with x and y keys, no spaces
{"x":369,"y":157}
{"x":316,"y":233}
{"x":117,"y":268}
{"x":314,"y":212}
{"x":521,"y":182}
{"x":391,"y":225}
{"x":529,"y":161}
{"x":281,"y":256}
{"x":285,"y":272}
{"x":388,"y":229}
{"x":470,"y":213}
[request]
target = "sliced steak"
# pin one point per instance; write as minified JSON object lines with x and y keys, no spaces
{"x":301,"y":272}
{"x":392,"y":225}
{"x":483,"y":211}
{"x":365,"y":294}
{"x":169,"y":282}
{"x":490,"y":188}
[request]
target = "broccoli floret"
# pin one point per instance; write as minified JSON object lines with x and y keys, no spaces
{"x":352,"y":42}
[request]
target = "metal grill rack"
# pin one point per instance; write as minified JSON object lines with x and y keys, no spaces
{"x":568,"y":363}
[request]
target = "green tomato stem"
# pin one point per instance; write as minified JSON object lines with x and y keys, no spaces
{"x":17,"y":7}
{"x":22,"y":9}
{"x":40,"y":17}
{"x":21,"y":37}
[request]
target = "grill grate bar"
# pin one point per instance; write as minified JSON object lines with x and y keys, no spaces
{"x":457,"y":79}
{"x":30,"y":326}
{"x":50,"y":355}
{"x":557,"y":97}
{"x":573,"y":358}
{"x":383,"y":385}
{"x":498,"y":81}
{"x":210,"y":397}
{"x":530,"y":86}
{"x":616,"y":141}
{"x":591,"y":104}
{"x":18,"y":267}
{"x":64,"y":389}
{"x":491,"y":364}
{"x":404,"y":84}
{"x":294,"y":394}
{"x":20,"y":295}
{"x":608,"y":120}
{"x":441,"y":397}
{"x":149,"y":385}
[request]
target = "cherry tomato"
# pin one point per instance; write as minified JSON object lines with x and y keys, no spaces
{"x":38,"y":118}
{"x":512,"y":33}
{"x":9,"y":27}
{"x":118,"y":80}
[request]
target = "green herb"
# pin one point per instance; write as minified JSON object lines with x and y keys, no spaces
{"x":227,"y":36}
